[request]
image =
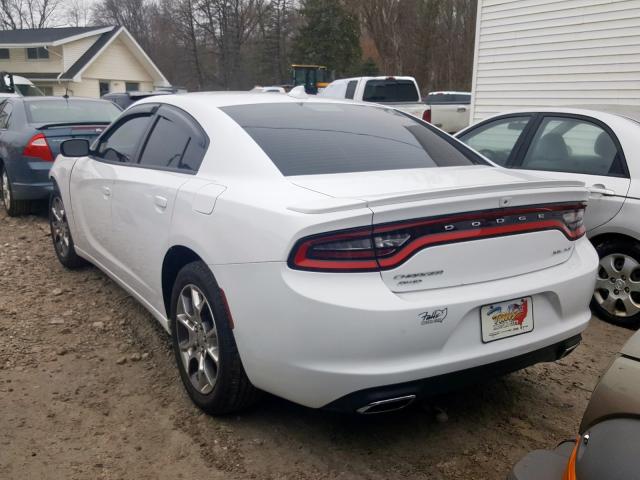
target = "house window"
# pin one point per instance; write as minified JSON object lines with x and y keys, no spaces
{"x":39,"y":53}
{"x":4,"y":54}
{"x":104,"y":88}
{"x":46,"y":90}
{"x":132,"y":86}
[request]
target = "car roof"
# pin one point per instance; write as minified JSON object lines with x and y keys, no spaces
{"x":601,"y":112}
{"x":227,"y":99}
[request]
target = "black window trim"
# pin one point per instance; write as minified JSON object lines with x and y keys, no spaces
{"x":537,"y":122}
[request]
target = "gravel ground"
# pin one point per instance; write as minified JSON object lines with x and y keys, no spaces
{"x":89,"y":389}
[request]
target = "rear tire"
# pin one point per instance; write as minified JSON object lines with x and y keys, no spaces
{"x":617,"y":295}
{"x":13,"y":207}
{"x":61,"y":234}
{"x":203,"y":343}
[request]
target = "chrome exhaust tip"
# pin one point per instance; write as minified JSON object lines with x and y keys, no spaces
{"x":568,"y":350}
{"x":387,"y":405}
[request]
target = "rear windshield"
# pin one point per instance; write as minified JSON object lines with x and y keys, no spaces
{"x":448,"y":98}
{"x":322,"y":138}
{"x":71,"y":110}
{"x":390,"y":91}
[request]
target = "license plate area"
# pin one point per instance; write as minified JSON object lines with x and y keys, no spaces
{"x":506,"y":319}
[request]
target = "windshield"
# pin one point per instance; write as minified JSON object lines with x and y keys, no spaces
{"x":27,"y":90}
{"x":71,"y":111}
{"x":321,"y":138}
{"x":390,"y":90}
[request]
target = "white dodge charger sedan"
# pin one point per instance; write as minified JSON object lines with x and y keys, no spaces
{"x":339,"y":255}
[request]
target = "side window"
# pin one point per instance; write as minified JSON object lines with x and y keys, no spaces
{"x":121,"y":143}
{"x":174,"y":143}
{"x":5,"y":114}
{"x":495,"y":140}
{"x":351,"y":89}
{"x":573,"y":145}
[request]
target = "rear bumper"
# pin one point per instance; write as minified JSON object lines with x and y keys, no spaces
{"x":30,"y":179}
{"x":428,"y":387}
{"x":543,"y":464}
{"x":32,"y":191}
{"x":316,"y":338}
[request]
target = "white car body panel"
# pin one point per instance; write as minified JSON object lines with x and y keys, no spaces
{"x":314,"y":337}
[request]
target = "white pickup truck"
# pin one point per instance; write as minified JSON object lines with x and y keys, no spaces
{"x":448,"y":111}
{"x":398,"y":92}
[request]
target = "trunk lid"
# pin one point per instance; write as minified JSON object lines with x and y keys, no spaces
{"x":478,"y":226}
{"x":58,"y":133}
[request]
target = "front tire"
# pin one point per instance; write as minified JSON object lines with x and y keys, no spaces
{"x":204,"y":346}
{"x":61,"y":234}
{"x":13,"y":207}
{"x":616,"y":298}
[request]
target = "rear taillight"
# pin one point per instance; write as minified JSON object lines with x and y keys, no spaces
{"x":37,"y":147}
{"x":426,"y":116}
{"x":383,"y":247}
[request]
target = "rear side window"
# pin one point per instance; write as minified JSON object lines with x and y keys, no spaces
{"x":323,"y":138}
{"x":390,"y":91}
{"x":351,"y":89}
{"x":174,"y":143}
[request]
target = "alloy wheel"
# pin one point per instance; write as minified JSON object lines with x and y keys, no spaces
{"x":6,"y":190}
{"x":618,"y":285}
{"x":197,"y":338}
{"x":60,"y":227}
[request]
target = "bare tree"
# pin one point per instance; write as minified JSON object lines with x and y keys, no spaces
{"x":230,"y":23}
{"x":78,"y":12}
{"x":16,"y":14}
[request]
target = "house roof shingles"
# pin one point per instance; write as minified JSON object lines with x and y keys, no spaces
{"x":32,"y":36}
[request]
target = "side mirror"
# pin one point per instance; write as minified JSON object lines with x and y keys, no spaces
{"x":76,"y":147}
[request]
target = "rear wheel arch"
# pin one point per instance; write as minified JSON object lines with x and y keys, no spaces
{"x":175,"y":259}
{"x":610,"y":236}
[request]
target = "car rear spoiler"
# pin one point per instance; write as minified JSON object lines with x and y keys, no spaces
{"x":72,"y":124}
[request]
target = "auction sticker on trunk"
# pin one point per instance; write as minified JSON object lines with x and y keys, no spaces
{"x":506,"y":319}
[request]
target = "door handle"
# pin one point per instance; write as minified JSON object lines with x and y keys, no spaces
{"x":160,"y":201}
{"x":600,"y":189}
{"x":462,"y":109}
{"x":106,"y":191}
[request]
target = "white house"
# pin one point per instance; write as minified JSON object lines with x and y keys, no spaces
{"x":533,"y":53}
{"x":82,"y":61}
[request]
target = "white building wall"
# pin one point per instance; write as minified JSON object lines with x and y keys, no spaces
{"x":116,"y":62}
{"x":19,"y":63}
{"x":72,"y":51}
{"x":532,"y":53}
